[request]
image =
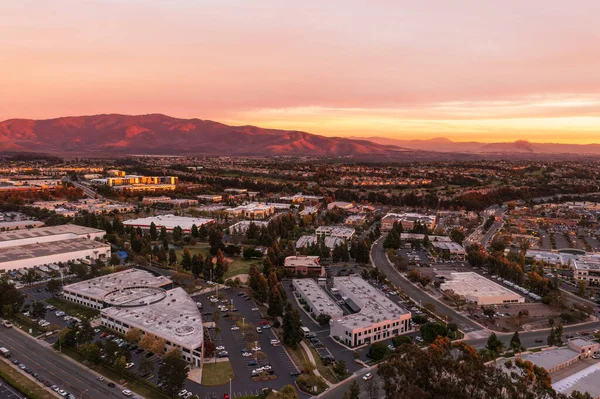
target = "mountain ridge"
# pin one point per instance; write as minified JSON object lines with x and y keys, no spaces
{"x":158,"y":133}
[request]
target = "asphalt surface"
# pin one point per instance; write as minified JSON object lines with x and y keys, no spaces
{"x":8,"y":392}
{"x":53,"y":367}
{"x":441,"y":309}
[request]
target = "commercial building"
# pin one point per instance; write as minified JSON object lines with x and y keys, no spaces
{"x":176,"y":202}
{"x":130,"y":181}
{"x":330,"y":242}
{"x":301,"y":198}
{"x":168,"y":315}
{"x":169,"y":222}
{"x":554,"y":359}
{"x":342,"y":232}
{"x":408,"y":221}
{"x":304,"y":265}
{"x":480,"y":290}
{"x":450,"y":248}
{"x":587,"y":268}
{"x":253,"y":210}
{"x":317,"y":300}
{"x":586,"y":380}
{"x":95,"y":206}
{"x":376,"y":318}
{"x":339,"y":205}
{"x":355,"y":220}
{"x":92,"y":292}
{"x":21,"y":249}
{"x":242,"y":226}
{"x":210,"y":198}
{"x":32,"y":255}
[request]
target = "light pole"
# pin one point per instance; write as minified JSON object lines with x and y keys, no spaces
{"x":243,"y":325}
{"x":230,"y":387}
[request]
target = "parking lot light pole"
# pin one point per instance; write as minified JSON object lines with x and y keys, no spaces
{"x":243,"y":325}
{"x":230,"y":388}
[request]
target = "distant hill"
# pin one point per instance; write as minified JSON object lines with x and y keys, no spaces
{"x":442,"y":144}
{"x":161,"y":134}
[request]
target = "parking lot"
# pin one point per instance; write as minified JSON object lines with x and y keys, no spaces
{"x":8,"y":392}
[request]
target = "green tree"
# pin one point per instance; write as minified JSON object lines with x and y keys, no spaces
{"x":172,"y":257}
{"x":515,"y":342}
{"x":9,"y":295}
{"x":90,"y":352}
{"x":288,"y":392}
{"x":194,"y":231}
{"x":177,"y":234}
{"x":163,"y":233}
{"x":173,"y":373}
{"x":262,"y":290}
{"x":186,"y":259}
{"x":340,"y":369}
{"x":431,"y":331}
{"x":354,"y":390}
{"x":146,"y":366}
{"x":378,"y":351}
{"x":119,"y":365}
{"x":85,"y":332}
{"x":197,"y":265}
{"x":38,"y":310}
{"x":133,"y":335}
{"x":275,"y":303}
{"x":54,"y":286}
{"x":494,"y":344}
{"x":153,"y":232}
{"x":292,"y":334}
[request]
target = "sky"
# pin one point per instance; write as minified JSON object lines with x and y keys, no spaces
{"x":463,"y":69}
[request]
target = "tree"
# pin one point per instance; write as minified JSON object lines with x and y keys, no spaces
{"x":133,"y":335}
{"x":515,"y":342}
{"x":90,"y":352}
{"x":146,"y":342}
{"x":85,"y":333}
{"x":186,"y":259}
{"x":261,"y":292}
{"x":292,"y":334}
{"x":457,"y":371}
{"x":153,"y":232}
{"x":111,"y":349}
{"x":197,"y":265}
{"x":30,"y":276}
{"x":457,"y":235}
{"x":378,"y":351}
{"x":177,"y":234}
{"x":340,"y":369}
{"x":323,"y":319}
{"x":372,"y":388}
{"x":163,"y":234}
{"x":173,"y":372}
{"x":11,"y":299}
{"x":275,"y":302}
{"x":457,"y":300}
{"x":354,"y":391}
{"x":54,"y":286}
{"x":494,"y":344}
{"x":287,"y":392}
{"x":158,"y":345}
{"x":194,"y":231}
{"x":119,"y":364}
{"x":489,"y":312}
{"x":38,"y":310}
{"x":431,"y":331}
{"x":172,"y":257}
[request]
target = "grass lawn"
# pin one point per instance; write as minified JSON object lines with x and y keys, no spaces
{"x":215,"y":374}
{"x":21,"y":383}
{"x":324,"y":370}
{"x":203,"y":249}
{"x":73,"y":309}
{"x":241,"y":266}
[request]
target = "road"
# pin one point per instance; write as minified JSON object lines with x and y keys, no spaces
{"x":55,"y":368}
{"x":489,"y":235}
{"x":441,"y":309}
{"x":86,"y":190}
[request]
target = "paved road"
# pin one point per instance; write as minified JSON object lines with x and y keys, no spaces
{"x":381,"y":261}
{"x":55,"y":368}
{"x":489,"y":235}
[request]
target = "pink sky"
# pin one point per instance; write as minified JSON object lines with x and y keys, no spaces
{"x":467,"y":70}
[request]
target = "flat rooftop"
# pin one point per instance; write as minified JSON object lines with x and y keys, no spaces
{"x":551,"y":357}
{"x":29,"y":251}
{"x":169,"y":222}
{"x":48,"y":231}
{"x":586,"y":380}
{"x":301,"y":260}
{"x":449,"y":246}
{"x":319,"y":299}
{"x":175,"y":318}
{"x":338,"y":231}
{"x":374,"y":305}
{"x":470,"y":284}
{"x":99,"y":287}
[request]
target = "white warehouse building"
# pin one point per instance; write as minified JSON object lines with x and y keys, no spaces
{"x":318,"y":301}
{"x":377,"y":318}
{"x":47,"y":245}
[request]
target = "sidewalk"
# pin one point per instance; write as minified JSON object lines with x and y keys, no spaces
{"x":308,"y":352}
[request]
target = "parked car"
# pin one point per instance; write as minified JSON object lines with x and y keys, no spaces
{"x":367,"y":376}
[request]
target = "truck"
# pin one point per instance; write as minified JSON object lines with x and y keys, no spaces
{"x":5,"y":352}
{"x":305,"y":331}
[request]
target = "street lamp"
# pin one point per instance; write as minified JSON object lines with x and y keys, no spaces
{"x":230,"y":387}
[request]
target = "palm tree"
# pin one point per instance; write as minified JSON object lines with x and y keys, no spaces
{"x":29,"y":276}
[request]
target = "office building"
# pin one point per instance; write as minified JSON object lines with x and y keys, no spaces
{"x":317,"y":300}
{"x":304,"y":265}
{"x":169,"y":222}
{"x":480,"y":290}
{"x":377,"y":317}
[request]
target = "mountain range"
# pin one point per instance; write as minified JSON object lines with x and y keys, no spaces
{"x":165,"y":135}
{"x":157,"y":134}
{"x":442,"y":144}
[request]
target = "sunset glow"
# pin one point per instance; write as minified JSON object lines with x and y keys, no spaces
{"x":465,"y":70}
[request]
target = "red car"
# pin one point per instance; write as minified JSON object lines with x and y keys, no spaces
{"x":104,"y":334}
{"x":264,"y":322}
{"x":225,"y":396}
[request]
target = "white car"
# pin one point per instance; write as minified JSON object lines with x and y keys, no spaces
{"x":234,"y":328}
{"x":129,"y":365}
{"x":258,"y":330}
{"x":367,"y":376}
{"x":275,"y":342}
{"x":256,"y":349}
{"x":419,"y":339}
{"x":246,"y":354}
{"x":255,"y":309}
{"x":220,"y":348}
{"x":187,"y":395}
{"x":182,"y":392}
{"x":127,"y":392}
{"x":267,"y":367}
